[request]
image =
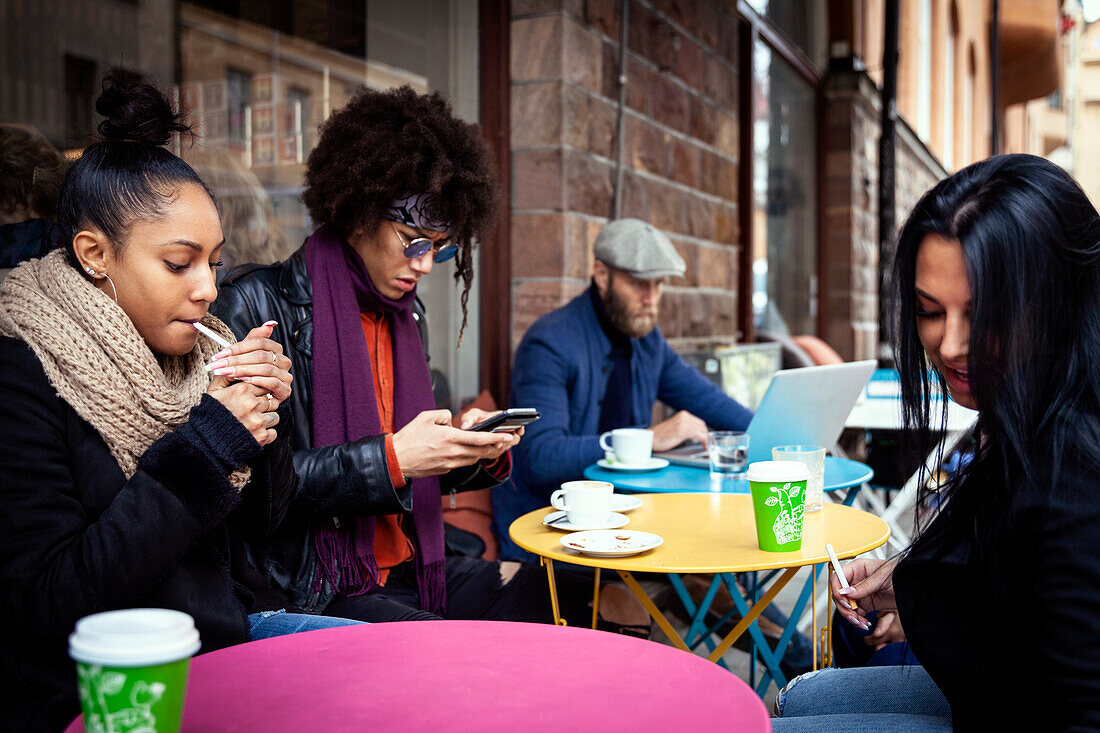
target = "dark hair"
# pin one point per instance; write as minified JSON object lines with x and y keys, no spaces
{"x":30,"y":171}
{"x":386,"y":144}
{"x":128,"y":175}
{"x":1030,"y":240}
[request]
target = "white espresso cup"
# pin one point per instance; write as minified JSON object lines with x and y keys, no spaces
{"x":631,"y":446}
{"x":586,"y":502}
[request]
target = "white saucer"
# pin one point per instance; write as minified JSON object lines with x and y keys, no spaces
{"x":613,"y":521}
{"x":610,"y":542}
{"x":624,"y":502}
{"x":651,"y":465}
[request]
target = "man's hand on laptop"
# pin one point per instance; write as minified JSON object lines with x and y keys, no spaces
{"x":682,"y":426}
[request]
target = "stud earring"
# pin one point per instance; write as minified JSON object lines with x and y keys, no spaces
{"x":89,"y":270}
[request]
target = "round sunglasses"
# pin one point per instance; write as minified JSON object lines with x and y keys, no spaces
{"x":420,"y":246}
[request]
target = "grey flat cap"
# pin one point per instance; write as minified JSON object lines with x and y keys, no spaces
{"x":638,"y":248}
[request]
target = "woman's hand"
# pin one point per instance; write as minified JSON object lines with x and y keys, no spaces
{"x":474,"y":415}
{"x":887,"y":630}
{"x":872,"y":589}
{"x":257,"y":361}
{"x":255,"y":410}
{"x":430,"y":446}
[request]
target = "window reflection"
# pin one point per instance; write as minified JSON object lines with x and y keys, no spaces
{"x":258,"y":77}
{"x":784,"y":246}
{"x":803,"y":22}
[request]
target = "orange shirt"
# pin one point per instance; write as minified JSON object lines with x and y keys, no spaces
{"x":391,"y":545}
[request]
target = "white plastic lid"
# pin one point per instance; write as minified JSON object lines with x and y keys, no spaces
{"x":777,"y":471}
{"x":135,"y":637}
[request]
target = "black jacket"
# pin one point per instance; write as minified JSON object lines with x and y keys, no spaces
{"x":77,"y":537}
{"x":1025,"y":656}
{"x":347,"y":480}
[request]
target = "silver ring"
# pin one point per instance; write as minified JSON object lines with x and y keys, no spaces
{"x":273,"y":357}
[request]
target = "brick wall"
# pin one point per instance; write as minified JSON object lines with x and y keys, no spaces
{"x":852,"y":129}
{"x":680,"y":153}
{"x":918,"y":171}
{"x":851,"y":215}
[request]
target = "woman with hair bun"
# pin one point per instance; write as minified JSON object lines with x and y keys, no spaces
{"x":997,"y":288}
{"x":132,"y":476}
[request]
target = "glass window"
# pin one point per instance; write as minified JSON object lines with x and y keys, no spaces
{"x":784,"y":246}
{"x":258,"y":79}
{"x":80,"y":88}
{"x":803,"y":22}
{"x":238,"y":101}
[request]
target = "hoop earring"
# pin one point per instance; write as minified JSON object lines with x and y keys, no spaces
{"x":112,"y":284}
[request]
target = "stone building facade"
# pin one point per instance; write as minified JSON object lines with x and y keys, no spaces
{"x":680,"y":154}
{"x":684,"y":152}
{"x":713,"y":88}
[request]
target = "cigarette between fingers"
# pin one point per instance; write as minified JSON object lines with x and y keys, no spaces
{"x":844,"y":587}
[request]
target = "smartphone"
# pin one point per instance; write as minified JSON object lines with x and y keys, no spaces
{"x":507,"y":421}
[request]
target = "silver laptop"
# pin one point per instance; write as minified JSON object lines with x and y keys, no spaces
{"x":806,"y":406}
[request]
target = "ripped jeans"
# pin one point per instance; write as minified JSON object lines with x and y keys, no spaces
{"x":864,"y":699}
{"x":475,"y":590}
{"x":267,"y":624}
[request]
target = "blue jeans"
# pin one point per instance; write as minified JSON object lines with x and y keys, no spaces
{"x":865,"y":699}
{"x":266,"y":624}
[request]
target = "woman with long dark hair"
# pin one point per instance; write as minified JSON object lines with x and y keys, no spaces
{"x":997,"y":280}
{"x":131,"y":476}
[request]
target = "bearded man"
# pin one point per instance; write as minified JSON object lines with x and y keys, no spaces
{"x":600,"y":363}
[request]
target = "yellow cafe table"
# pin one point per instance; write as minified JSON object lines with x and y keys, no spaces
{"x":711,"y":533}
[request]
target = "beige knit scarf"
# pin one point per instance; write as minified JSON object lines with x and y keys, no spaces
{"x":98,"y":362}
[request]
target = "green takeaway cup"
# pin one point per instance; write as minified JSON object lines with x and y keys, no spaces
{"x":778,"y":502}
{"x":131,"y":668}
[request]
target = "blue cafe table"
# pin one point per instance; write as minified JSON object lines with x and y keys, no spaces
{"x":841,"y":475}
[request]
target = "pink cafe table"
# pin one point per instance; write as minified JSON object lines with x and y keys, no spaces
{"x":463,"y":676}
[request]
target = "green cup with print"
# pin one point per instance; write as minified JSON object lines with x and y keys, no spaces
{"x":778,"y":491}
{"x":131,"y":668}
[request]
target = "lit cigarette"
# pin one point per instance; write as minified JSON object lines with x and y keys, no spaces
{"x":211,"y":335}
{"x":840,"y":573}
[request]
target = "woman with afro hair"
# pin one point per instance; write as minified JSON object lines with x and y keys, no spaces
{"x":396,"y":185}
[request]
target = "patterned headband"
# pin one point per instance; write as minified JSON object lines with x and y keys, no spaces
{"x":419,"y":211}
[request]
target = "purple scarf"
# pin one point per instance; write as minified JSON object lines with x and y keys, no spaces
{"x":345,"y":409}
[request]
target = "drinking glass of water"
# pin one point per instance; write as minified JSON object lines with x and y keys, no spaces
{"x":729,"y":453}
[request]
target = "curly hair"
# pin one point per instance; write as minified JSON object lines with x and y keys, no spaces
{"x":387,"y":144}
{"x":30,"y":172}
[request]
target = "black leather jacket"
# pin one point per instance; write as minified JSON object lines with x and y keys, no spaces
{"x":345,"y":480}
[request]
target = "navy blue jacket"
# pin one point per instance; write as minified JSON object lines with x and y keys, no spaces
{"x":562,"y":367}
